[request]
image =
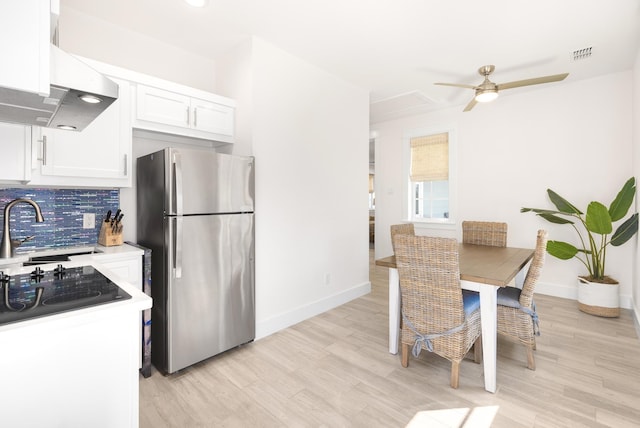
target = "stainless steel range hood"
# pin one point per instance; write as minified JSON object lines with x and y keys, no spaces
{"x":71,"y":81}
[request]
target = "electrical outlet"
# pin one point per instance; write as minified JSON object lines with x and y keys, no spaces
{"x":88,"y":221}
{"x":327,"y":279}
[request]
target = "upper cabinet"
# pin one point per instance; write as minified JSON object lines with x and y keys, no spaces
{"x":15,"y":147}
{"x":99,"y":156}
{"x":207,"y":116}
{"x":24,"y":39}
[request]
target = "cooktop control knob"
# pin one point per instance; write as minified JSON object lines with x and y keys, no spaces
{"x":37,"y":274}
{"x":59,"y":271}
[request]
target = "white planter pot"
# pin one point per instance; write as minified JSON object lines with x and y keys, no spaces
{"x":599,"y":299}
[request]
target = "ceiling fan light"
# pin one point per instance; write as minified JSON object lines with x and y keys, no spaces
{"x":197,"y":3}
{"x":486,"y":96}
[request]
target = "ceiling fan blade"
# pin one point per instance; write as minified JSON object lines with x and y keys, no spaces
{"x":471,"y":104}
{"x":457,"y":85}
{"x":534,"y":81}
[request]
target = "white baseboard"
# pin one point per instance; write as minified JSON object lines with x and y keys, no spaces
{"x":571,"y":292}
{"x":276,"y":323}
{"x":636,"y":317}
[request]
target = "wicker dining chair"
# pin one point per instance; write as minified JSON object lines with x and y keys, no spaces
{"x":484,"y":233}
{"x":437,"y":315}
{"x":517,"y":317}
{"x":401,"y":229}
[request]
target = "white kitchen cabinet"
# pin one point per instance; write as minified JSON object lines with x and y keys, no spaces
{"x":181,"y":114}
{"x":128,"y":268}
{"x":15,"y":146}
{"x":24,"y":45}
{"x":98,"y":156}
{"x":79,"y":367}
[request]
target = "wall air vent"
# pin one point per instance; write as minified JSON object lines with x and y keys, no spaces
{"x":583,"y":53}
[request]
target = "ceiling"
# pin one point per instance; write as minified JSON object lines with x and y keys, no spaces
{"x":397,"y":49}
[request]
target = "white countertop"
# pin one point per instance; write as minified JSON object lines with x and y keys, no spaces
{"x":123,"y":250}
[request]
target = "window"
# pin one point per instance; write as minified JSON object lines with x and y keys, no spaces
{"x":429,"y":166}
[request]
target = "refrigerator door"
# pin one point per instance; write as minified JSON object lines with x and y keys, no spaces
{"x":210,"y":304}
{"x":205,"y":182}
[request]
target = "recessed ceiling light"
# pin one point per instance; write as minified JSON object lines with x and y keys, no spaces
{"x":197,"y":3}
{"x":90,"y":99}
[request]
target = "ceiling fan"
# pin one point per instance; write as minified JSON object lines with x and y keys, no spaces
{"x":488,"y":91}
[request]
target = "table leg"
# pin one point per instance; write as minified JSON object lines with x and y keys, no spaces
{"x":488,"y":312}
{"x":394,"y":310}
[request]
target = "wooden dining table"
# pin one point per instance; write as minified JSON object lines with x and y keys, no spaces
{"x":483,"y":269}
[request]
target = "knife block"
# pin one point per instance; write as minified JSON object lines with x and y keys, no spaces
{"x":108,"y":237}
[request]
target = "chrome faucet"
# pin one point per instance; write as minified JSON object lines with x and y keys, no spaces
{"x":7,"y":246}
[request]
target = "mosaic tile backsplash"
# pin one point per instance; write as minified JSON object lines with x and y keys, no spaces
{"x":62,"y":210}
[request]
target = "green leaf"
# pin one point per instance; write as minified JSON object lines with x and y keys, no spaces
{"x":621,"y":204}
{"x":598,"y":219}
{"x":562,"y":204}
{"x":554,"y":218}
{"x":561,"y":250}
{"x":625,"y":231}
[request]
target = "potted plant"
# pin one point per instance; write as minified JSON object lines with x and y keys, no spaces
{"x":597,"y":292}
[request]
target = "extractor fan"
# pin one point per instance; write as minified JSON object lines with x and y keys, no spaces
{"x":488,"y":91}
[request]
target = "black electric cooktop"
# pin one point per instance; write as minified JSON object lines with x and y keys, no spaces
{"x":41,"y":293}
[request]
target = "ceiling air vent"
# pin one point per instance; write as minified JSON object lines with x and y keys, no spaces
{"x":583,"y":53}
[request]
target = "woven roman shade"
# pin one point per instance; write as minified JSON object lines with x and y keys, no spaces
{"x":370,"y":183}
{"x":430,"y":157}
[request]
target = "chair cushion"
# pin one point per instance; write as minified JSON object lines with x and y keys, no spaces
{"x":509,"y":296}
{"x":470,"y":301}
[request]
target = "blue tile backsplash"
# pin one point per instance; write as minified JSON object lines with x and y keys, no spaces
{"x":62,"y":210}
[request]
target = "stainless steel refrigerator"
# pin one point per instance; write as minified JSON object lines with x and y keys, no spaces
{"x":195,"y":213}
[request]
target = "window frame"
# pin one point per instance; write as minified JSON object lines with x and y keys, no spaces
{"x":408,"y":211}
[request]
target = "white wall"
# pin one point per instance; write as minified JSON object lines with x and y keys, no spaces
{"x":234,"y":74}
{"x":93,"y":38}
{"x":574,"y":137}
{"x":636,"y":171}
{"x":309,"y":134}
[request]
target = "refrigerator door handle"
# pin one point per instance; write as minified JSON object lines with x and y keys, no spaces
{"x":177,"y":248}
{"x":177,"y":175}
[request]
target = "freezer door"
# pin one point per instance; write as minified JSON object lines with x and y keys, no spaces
{"x":210,"y":302}
{"x":204,"y":182}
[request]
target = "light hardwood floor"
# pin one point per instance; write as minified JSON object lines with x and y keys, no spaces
{"x":334,"y":370}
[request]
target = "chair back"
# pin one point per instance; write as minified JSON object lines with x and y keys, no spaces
{"x":526,"y":297}
{"x":401,"y":229}
{"x":429,"y":274}
{"x":484,"y":233}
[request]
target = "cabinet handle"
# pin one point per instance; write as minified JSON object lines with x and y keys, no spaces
{"x":195,"y":118}
{"x":44,"y":150}
{"x":125,"y":165}
{"x":188,"y":118}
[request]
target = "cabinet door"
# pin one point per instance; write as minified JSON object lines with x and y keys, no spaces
{"x":212,"y":117}
{"x":24,"y":45}
{"x":15,"y":146}
{"x":100,"y":155}
{"x":172,"y":113}
{"x":165,"y":107}
{"x":128,"y":269}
